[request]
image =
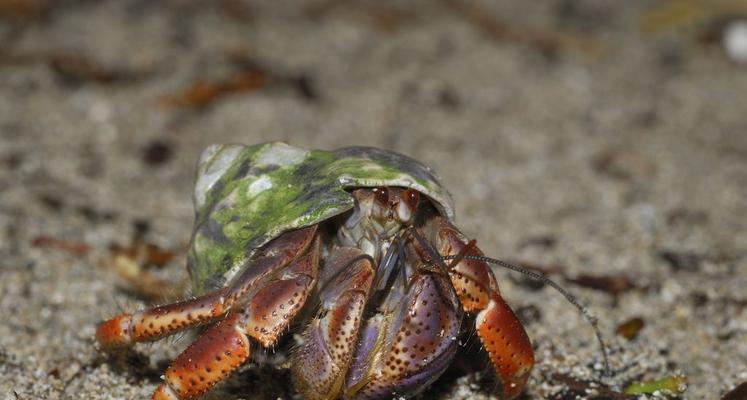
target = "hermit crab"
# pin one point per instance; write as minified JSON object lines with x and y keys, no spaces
{"x":355,"y":250}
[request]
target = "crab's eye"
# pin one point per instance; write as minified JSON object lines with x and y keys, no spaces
{"x":381,"y":194}
{"x":412,"y":197}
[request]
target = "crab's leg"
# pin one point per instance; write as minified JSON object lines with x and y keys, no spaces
{"x":500,"y":332}
{"x":154,"y":323}
{"x":321,"y":362}
{"x":412,"y":340}
{"x":264,"y":314}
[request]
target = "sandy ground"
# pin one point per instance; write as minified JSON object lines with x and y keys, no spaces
{"x":574,"y":142}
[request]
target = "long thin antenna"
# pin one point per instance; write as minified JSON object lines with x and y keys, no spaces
{"x":592,"y":320}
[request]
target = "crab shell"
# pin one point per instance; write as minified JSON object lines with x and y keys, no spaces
{"x":246,"y":196}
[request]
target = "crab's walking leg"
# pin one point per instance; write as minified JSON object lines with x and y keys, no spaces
{"x":154,"y":323}
{"x":500,"y":332}
{"x":212,"y":357}
{"x":226,"y":345}
{"x":321,"y":362}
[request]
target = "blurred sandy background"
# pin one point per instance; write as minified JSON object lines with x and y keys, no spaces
{"x":603,"y":142}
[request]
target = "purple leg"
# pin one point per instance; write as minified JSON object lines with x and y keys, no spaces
{"x":402,"y":352}
{"x":421,"y":343}
{"x":321,"y":362}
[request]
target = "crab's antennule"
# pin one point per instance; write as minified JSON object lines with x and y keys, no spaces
{"x":592,"y":320}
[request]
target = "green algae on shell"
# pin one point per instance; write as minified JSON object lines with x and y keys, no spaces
{"x":247,"y":195}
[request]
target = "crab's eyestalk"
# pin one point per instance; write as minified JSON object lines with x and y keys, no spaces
{"x":381,"y":195}
{"x":388,"y":207}
{"x":406,"y":205}
{"x":412,"y":197}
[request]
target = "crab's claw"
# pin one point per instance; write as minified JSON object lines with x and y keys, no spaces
{"x":412,"y":339}
{"x":502,"y":335}
{"x":507,"y":343}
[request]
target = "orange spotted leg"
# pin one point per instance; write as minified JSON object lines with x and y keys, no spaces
{"x":155,"y":323}
{"x":226,"y":345}
{"x":258,"y":304}
{"x":501,"y":333}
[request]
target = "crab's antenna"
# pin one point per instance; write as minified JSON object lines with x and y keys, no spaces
{"x":435,"y":256}
{"x":592,"y":320}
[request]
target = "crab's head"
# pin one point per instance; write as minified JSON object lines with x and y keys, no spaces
{"x":387,"y":209}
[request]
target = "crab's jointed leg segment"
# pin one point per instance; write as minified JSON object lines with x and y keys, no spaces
{"x":500,"y":332}
{"x":210,"y":359}
{"x":157,"y":322}
{"x":321,"y":362}
{"x":272,"y":308}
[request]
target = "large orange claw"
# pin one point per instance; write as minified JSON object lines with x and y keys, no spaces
{"x":507,"y":345}
{"x":500,"y":332}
